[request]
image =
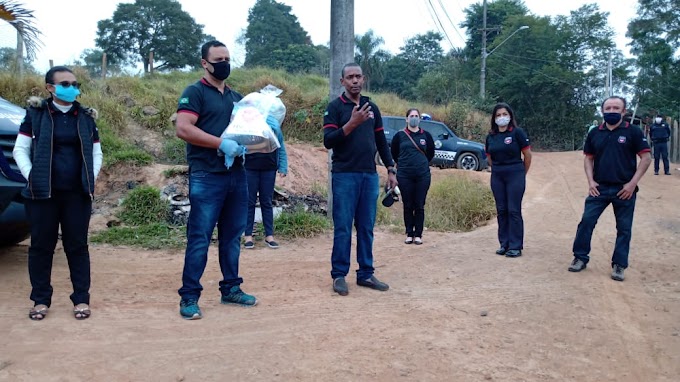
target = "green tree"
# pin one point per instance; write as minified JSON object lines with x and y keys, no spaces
{"x":144,"y":26}
{"x":295,"y":58}
{"x":496,"y":15}
{"x":92,"y":61}
{"x":271,"y":27}
{"x":420,"y":54}
{"x":370,"y":57}
{"x":655,"y":35}
{"x":8,"y":61}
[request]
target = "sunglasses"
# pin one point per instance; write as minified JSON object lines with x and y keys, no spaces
{"x":67,"y":84}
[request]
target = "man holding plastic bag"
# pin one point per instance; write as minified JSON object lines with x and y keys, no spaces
{"x":217,"y":181}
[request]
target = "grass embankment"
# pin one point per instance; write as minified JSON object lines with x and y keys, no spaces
{"x":121,"y":100}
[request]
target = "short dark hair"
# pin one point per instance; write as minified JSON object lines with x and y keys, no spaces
{"x":49,"y":76}
{"x":614,"y":97}
{"x":410,"y":110}
{"x":205,"y":49}
{"x":350,"y":65}
{"x":502,"y":105}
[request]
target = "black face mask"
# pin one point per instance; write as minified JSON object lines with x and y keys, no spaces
{"x":612,"y":118}
{"x":221,"y":70}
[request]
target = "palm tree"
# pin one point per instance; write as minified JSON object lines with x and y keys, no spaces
{"x":22,"y":20}
{"x":367,"y":55}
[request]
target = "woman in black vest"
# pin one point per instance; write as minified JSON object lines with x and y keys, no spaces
{"x":261,"y":171}
{"x":412,"y":150}
{"x":506,"y":144}
{"x":58,"y":151}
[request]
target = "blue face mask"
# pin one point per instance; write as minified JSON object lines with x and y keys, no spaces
{"x":66,"y":94}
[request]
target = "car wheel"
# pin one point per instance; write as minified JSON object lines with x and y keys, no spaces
{"x":20,"y":234}
{"x":467,"y":161}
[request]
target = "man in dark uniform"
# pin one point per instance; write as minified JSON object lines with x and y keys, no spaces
{"x":218,"y":189}
{"x":610,"y":166}
{"x":353,"y":128}
{"x":659,"y":133}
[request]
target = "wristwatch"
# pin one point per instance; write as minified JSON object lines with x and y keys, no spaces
{"x":391,"y":170}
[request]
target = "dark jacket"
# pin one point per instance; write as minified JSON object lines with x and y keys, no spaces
{"x":659,"y":132}
{"x":42,"y":124}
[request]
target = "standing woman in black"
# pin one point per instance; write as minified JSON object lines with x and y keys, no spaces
{"x":412,"y":150}
{"x":506,"y":144}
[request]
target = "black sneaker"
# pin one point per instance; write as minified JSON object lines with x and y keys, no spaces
{"x":656,"y":173}
{"x":501,"y":251}
{"x":577,"y":265}
{"x":373,"y":283}
{"x":667,"y":173}
{"x":272,"y":244}
{"x":340,"y":286}
{"x":249,"y":245}
{"x":513,"y":253}
{"x":617,"y":272}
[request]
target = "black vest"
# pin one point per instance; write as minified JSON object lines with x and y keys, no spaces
{"x":40,"y":183}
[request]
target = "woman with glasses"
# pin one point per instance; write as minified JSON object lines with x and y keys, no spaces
{"x":509,"y":155}
{"x":412,"y":150}
{"x":58,"y":152}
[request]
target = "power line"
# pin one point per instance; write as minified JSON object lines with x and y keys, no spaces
{"x":440,"y":24}
{"x":451,"y":21}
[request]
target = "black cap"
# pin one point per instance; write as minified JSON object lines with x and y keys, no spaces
{"x":389,"y":198}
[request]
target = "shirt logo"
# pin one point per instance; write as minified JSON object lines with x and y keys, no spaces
{"x":371,"y":115}
{"x":184,"y":100}
{"x":507,"y":140}
{"x":326,"y":113}
{"x":422,"y":142}
{"x":622,"y":139}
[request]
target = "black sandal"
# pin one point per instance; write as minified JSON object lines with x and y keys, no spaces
{"x":38,"y":314}
{"x":81,"y":313}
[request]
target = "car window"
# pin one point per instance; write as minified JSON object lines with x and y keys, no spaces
{"x":436,"y":129}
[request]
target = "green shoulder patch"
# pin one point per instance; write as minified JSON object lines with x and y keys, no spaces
{"x":184,"y":100}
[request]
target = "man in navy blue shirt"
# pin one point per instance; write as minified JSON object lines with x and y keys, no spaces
{"x":613,"y":174}
{"x":352,"y":127}
{"x":218,"y":189}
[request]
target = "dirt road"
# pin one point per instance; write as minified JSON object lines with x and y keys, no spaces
{"x":455,"y":311}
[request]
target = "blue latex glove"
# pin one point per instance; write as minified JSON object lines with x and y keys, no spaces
{"x":273,"y":123}
{"x":231,"y":150}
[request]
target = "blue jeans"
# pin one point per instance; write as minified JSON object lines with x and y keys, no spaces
{"x":507,"y":185}
{"x":216,"y":199}
{"x":623,"y":211}
{"x":355,"y":196}
{"x":262,"y":182}
{"x":413,"y":194}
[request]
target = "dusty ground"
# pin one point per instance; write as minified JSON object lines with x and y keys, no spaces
{"x":542,"y":323}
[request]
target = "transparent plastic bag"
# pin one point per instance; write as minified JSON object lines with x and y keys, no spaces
{"x":248,"y":126}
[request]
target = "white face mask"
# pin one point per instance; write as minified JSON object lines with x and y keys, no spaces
{"x":503,"y":121}
{"x":658,"y":120}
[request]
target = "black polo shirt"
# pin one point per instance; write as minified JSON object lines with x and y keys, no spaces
{"x":412,"y":160}
{"x":505,"y":148}
{"x":615,"y":152}
{"x":356,"y":151}
{"x":213,"y":110}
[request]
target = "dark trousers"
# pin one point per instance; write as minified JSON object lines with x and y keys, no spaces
{"x":413,"y":194}
{"x":508,"y":184}
{"x":661,"y":151}
{"x":72,"y":211}
{"x":623,"y":211}
{"x":261,"y":182}
{"x":216,"y":199}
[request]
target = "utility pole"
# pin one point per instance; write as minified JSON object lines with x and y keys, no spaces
{"x":482,"y":77}
{"x":342,"y":52}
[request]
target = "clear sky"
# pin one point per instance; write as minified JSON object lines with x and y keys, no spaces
{"x":70,"y":26}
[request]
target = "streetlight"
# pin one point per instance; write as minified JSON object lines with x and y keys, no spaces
{"x":485,"y":54}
